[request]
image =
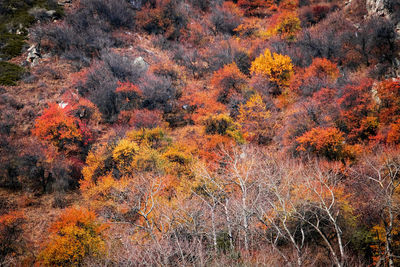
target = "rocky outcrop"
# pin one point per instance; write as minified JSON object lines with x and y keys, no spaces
{"x":141,"y":64}
{"x":378,"y":8}
{"x":33,"y":55}
{"x":389,"y":9}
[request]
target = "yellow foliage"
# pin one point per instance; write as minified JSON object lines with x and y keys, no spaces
{"x":275,"y":67}
{"x":286,"y":25}
{"x":124,"y":152}
{"x":253,"y":117}
{"x":75,"y":236}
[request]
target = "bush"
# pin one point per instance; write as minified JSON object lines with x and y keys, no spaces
{"x":223,"y":125}
{"x":102,"y":82}
{"x":76,"y":235}
{"x":11,"y":234}
{"x":327,"y":142}
{"x":118,"y":13}
{"x":229,"y":81}
{"x":85,"y":32}
{"x":158,"y":93}
{"x":169,"y":18}
{"x":10,"y":73}
{"x":276,"y":68}
{"x":226,"y":18}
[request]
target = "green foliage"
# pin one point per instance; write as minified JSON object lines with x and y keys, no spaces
{"x":14,"y":15}
{"x":10,"y":73}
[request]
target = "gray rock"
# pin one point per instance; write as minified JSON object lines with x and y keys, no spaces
{"x":141,"y":64}
{"x":378,"y":8}
{"x":33,"y":55}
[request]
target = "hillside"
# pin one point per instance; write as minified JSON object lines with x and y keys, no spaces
{"x":199,"y":133}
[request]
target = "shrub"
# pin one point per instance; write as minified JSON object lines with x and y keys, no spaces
{"x":75,"y":236}
{"x":169,"y":17}
{"x":11,"y":230}
{"x":286,"y":25}
{"x":259,"y":8}
{"x":226,"y":18}
{"x":328,"y":142}
{"x":253,"y":116}
{"x":223,"y":125}
{"x":58,"y":127}
{"x":158,"y":93}
{"x":118,"y":13}
{"x":142,"y":118}
{"x":322,"y":73}
{"x":388,"y":97}
{"x":10,"y":73}
{"x":85,"y":32}
{"x":229,"y":81}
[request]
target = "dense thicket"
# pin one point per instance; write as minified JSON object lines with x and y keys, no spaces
{"x":180,"y":132}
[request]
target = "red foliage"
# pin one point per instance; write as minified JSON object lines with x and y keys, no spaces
{"x":321,"y":73}
{"x":393,"y":136}
{"x":127,"y":87}
{"x":357,"y":111}
{"x":389,"y":98}
{"x":65,"y":132}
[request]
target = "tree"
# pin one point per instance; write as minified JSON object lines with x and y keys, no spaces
{"x":229,"y":81}
{"x":322,"y":73}
{"x":223,"y":125}
{"x":286,"y":25}
{"x":75,"y":236}
{"x":253,"y":117}
{"x":379,"y":174}
{"x":388,"y":97}
{"x":326,"y":142}
{"x":276,"y":68}
{"x":358,"y":111}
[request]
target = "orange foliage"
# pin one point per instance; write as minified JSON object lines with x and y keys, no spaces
{"x":326,"y":142}
{"x":58,"y":127}
{"x":229,"y":82}
{"x":286,"y":25}
{"x":74,"y":236}
{"x":10,"y":231}
{"x":127,"y":87}
{"x":257,"y":7}
{"x":322,"y":68}
{"x":321,"y":72}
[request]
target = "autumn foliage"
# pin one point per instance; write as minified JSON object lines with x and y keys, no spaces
{"x":276,"y":68}
{"x":229,"y":82}
{"x":328,"y":142}
{"x":75,"y":236}
{"x":201,"y":133}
